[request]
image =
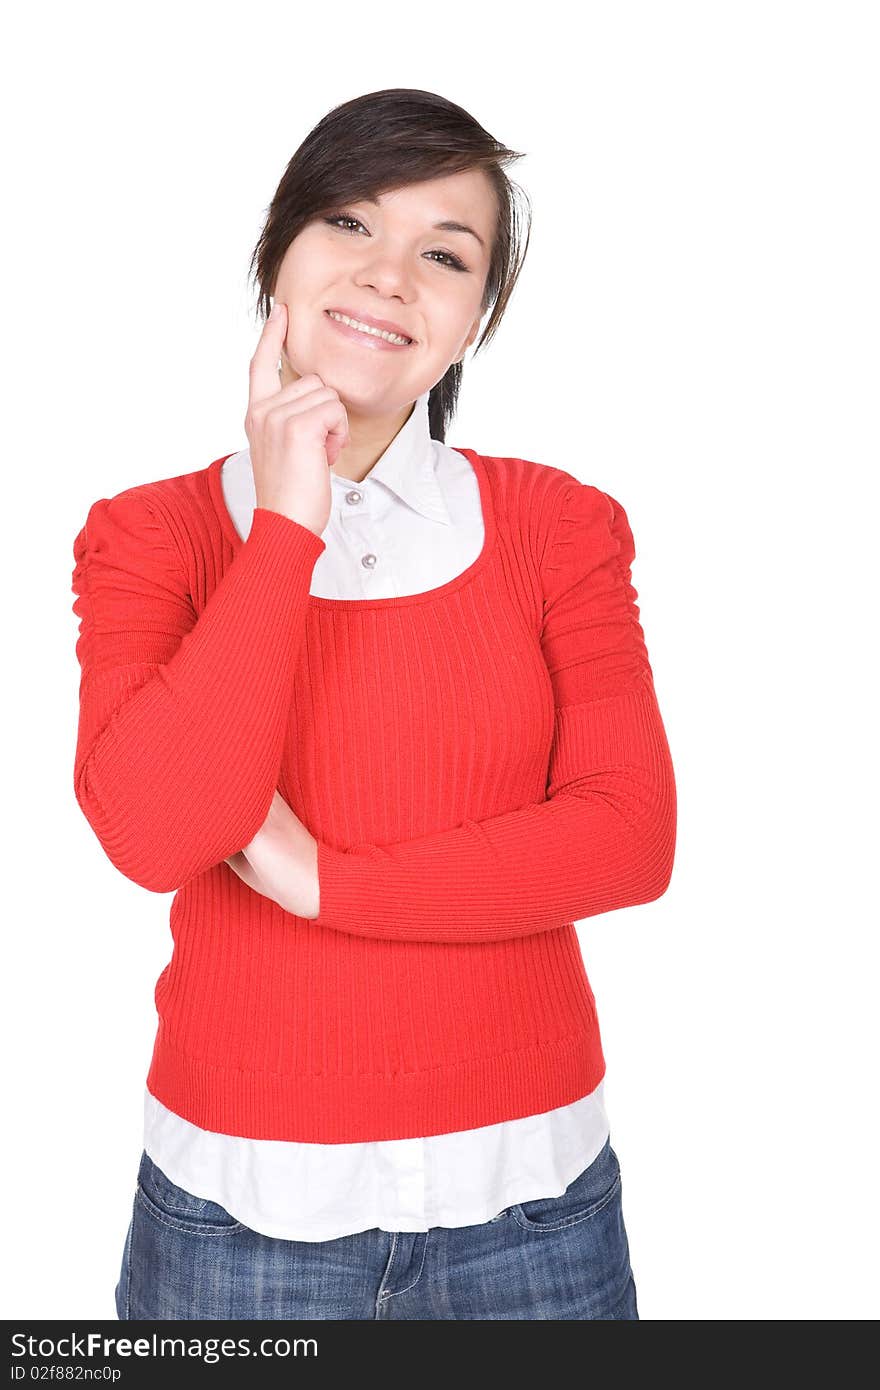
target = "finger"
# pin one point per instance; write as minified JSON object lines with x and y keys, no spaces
{"x":264,"y":363}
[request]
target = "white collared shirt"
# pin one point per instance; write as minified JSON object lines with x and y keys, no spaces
{"x":413,"y":523}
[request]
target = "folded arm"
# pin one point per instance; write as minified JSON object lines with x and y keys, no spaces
{"x":182,"y":720}
{"x":603,"y":839}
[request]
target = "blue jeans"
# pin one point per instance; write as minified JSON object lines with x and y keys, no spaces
{"x":555,"y":1257}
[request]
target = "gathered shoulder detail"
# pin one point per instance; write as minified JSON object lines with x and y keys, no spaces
{"x":127,"y":576}
{"x":591,"y":618}
{"x":590,"y":528}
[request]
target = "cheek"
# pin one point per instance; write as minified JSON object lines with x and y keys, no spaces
{"x":451,"y":324}
{"x":300,"y":335}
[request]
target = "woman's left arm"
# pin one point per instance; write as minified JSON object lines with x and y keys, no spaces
{"x":603,"y":839}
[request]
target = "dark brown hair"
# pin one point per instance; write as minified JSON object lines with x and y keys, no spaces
{"x":381,"y":141}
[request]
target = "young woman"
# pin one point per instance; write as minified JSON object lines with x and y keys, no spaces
{"x":379,"y":712}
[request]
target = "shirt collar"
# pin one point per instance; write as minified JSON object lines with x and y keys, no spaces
{"x":408,"y":467}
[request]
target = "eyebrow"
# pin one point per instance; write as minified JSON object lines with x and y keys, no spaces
{"x":446,"y":226}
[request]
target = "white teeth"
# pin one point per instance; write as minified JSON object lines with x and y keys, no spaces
{"x":365,"y":328}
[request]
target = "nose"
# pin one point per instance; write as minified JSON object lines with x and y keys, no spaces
{"x":387,"y":274}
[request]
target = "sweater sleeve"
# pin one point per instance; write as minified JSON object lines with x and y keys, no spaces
{"x":603,"y":837}
{"x":182,"y":719}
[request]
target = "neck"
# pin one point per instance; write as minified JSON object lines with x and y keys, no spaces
{"x":370,"y":437}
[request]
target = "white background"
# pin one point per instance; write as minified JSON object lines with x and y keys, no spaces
{"x":695,"y":331}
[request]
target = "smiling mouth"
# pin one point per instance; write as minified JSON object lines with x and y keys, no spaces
{"x":398,"y":339}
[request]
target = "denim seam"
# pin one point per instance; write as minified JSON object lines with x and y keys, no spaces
{"x":127,"y":1259}
{"x":393,"y":1293}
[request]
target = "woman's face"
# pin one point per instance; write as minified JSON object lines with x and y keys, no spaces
{"x":388,"y":260}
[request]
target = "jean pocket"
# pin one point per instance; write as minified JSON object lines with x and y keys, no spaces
{"x":587,"y":1194}
{"x":174,"y":1206}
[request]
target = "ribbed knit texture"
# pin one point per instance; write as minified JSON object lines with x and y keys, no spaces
{"x":482,"y":765}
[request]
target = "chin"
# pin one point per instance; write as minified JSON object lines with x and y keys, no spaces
{"x":359,"y":386}
{"x":359,"y":393}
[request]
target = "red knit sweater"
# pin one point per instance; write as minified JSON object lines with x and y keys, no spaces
{"x":482,"y":764}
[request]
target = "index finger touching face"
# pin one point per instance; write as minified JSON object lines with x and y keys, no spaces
{"x":264,"y":363}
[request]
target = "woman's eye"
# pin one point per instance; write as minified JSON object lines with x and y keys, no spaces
{"x":341,"y":217}
{"x":450,"y":260}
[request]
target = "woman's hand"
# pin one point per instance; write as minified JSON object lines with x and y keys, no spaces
{"x":295,"y":433}
{"x":281,"y":862}
{"x":241,"y":865}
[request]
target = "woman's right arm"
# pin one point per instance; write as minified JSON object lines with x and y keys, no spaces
{"x":182,"y":720}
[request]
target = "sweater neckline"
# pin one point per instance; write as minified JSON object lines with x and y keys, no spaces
{"x":215,"y":487}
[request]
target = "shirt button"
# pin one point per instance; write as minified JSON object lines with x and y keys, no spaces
{"x":352,"y":497}
{"x":368,"y":561}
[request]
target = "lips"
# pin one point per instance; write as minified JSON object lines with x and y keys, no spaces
{"x":370,"y":320}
